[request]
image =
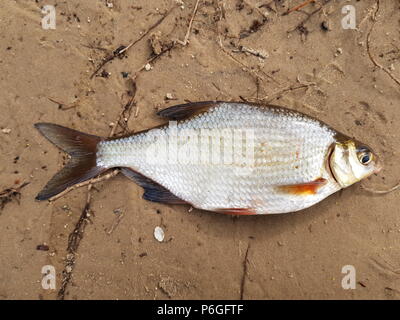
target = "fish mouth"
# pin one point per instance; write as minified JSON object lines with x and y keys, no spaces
{"x":378,"y":168}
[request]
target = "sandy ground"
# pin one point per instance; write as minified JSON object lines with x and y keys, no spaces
{"x":308,"y":63}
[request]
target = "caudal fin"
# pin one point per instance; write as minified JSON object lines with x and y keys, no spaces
{"x":82,"y":166}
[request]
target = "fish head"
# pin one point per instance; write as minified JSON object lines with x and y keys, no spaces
{"x":351,"y":161}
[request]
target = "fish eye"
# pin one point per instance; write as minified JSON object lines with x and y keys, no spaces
{"x":365,"y":157}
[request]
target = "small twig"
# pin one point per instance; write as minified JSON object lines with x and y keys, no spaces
{"x":63,"y":106}
{"x":10,"y":194}
{"x":257,"y":8}
{"x":268,"y":6}
{"x":155,"y":57}
{"x":245,"y":261}
{"x":86,"y":183}
{"x":371,"y":57}
{"x":116,"y":53}
{"x":255,"y":53}
{"x":300,"y":26}
{"x":302,"y":5}
{"x":186,"y":39}
{"x":74,"y":240}
{"x":122,"y":119}
{"x":119,"y":52}
{"x":248,"y":69}
{"x":269,"y":98}
{"x":93,"y":47}
{"x":125,"y":112}
{"x":370,"y":12}
{"x":115,"y":223}
{"x":397,"y":186}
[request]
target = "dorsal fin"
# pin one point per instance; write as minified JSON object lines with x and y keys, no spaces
{"x":152,"y":190}
{"x":183,"y":111}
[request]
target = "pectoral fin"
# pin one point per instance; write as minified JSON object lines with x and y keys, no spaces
{"x":302,"y":189}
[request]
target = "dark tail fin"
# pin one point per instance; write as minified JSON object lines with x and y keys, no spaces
{"x":81,"y":147}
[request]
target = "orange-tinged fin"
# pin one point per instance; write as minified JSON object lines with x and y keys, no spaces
{"x":183,"y":111}
{"x":237,"y":211}
{"x":301,"y":189}
{"x":82,"y":166}
{"x":152,"y":190}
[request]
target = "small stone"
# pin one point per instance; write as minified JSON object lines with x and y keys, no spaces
{"x":391,"y":67}
{"x":339,"y":51}
{"x":6,"y":131}
{"x":66,"y":208}
{"x":159,"y":234}
{"x":325,"y":25}
{"x":117,"y":211}
{"x":110,"y":5}
{"x":148,"y":67}
{"x":169,"y":96}
{"x":42,"y":247}
{"x":105,"y":74}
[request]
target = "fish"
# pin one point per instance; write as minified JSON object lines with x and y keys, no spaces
{"x":237,"y":158}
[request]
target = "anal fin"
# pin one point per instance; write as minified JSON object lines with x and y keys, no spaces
{"x":152,"y":190}
{"x":237,"y":211}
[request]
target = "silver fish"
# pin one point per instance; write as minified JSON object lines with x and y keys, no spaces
{"x":233,"y":158}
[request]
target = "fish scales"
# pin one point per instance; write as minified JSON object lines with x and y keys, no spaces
{"x":289,"y":149}
{"x":233,"y":158}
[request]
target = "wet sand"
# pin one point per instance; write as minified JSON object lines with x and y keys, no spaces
{"x":237,"y":50}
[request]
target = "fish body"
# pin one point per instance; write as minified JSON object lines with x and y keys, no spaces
{"x":236,"y":158}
